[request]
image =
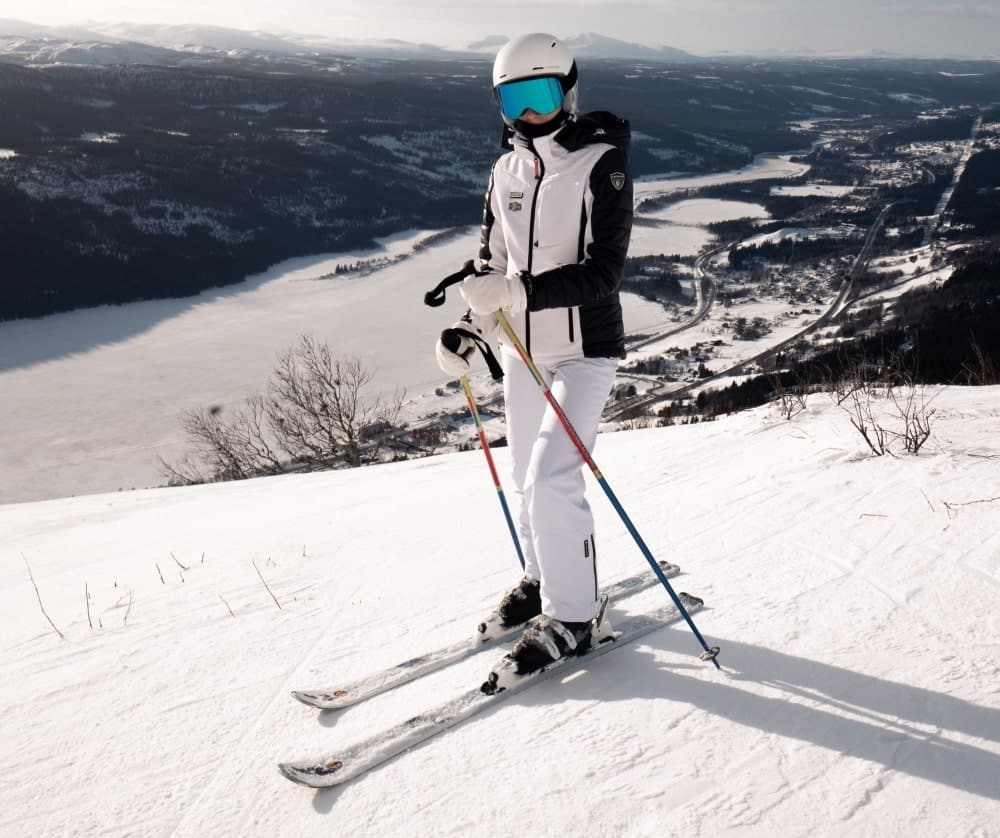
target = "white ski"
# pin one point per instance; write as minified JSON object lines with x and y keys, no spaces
{"x":342,"y":766}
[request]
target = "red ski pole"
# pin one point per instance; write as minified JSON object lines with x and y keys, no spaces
{"x":710,"y":653}
{"x":493,"y":469}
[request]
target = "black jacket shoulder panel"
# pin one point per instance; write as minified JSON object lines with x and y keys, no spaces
{"x":597,"y":127}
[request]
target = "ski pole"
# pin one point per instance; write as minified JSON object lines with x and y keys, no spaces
{"x":464,"y":380}
{"x":709,"y":653}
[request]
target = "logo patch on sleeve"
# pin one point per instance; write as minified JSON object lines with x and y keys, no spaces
{"x":618,"y":180}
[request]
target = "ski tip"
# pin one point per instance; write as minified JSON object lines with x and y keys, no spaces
{"x":317,"y":776}
{"x":335,"y":700}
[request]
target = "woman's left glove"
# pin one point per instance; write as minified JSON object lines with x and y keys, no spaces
{"x":456,"y":345}
{"x":491,"y":292}
{"x":453,"y":350}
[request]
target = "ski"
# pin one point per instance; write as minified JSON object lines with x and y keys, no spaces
{"x":369,"y":686}
{"x":343,"y":766}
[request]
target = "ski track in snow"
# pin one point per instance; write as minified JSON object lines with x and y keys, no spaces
{"x":229,"y":772}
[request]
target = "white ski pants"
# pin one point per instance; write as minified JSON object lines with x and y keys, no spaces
{"x":554,"y":521}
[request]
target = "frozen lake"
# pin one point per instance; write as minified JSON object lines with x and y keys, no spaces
{"x":92,"y":398}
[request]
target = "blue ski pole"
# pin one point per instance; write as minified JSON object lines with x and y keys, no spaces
{"x":710,"y":653}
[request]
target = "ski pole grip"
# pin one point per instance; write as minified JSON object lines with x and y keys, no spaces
{"x":436,"y":297}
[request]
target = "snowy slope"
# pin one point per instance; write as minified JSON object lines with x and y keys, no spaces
{"x":857,"y":615}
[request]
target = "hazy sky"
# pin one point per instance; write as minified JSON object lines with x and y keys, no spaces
{"x":924,"y":27}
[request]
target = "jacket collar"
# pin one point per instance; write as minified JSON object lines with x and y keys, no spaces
{"x":578,"y":131}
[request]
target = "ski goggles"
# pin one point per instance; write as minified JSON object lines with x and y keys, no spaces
{"x":541,"y":95}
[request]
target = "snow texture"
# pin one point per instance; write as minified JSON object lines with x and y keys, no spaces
{"x":854,"y":598}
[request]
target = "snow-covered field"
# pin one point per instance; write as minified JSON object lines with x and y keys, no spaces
{"x":764,"y":167}
{"x":854,"y":598}
{"x":919,"y":280}
{"x":702,"y":211}
{"x":668,"y":239}
{"x":800,"y":234}
{"x":92,"y":399}
{"x":813,"y":190}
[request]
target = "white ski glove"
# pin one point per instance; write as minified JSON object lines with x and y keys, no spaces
{"x":490,"y":292}
{"x":453,"y":349}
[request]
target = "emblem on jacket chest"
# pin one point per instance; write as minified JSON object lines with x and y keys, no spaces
{"x":514,"y":204}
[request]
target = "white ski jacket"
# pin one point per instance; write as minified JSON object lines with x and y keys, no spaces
{"x":558,"y":213}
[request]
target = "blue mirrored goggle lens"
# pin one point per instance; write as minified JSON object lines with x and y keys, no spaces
{"x":542,"y":95}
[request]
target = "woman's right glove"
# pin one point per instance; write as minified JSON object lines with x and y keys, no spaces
{"x":486,"y":293}
{"x":457,"y":344}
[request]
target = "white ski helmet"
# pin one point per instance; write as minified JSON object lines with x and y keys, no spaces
{"x":533,"y":56}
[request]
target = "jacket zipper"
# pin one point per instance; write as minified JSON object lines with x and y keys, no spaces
{"x":532,"y":244}
{"x":572,"y":333}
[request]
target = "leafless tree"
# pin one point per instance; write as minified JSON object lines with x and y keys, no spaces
{"x":913,"y":408}
{"x":225,"y":449}
{"x":910,"y":405}
{"x":864,"y":420}
{"x":315,"y":413}
{"x":791,"y":401}
{"x":317,"y":405}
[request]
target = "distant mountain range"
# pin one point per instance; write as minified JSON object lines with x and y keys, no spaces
{"x":126,"y":43}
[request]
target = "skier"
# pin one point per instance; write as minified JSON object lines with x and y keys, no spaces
{"x":556,"y":226}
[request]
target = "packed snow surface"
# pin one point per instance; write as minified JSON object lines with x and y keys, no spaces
{"x":854,"y":598}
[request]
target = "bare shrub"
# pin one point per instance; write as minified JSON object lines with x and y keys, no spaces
{"x":318,"y":409}
{"x":636,"y":413}
{"x":38,"y":594}
{"x":907,"y":418}
{"x":866,"y":424}
{"x":638,"y":423}
{"x":791,"y":401}
{"x":226,"y":449}
{"x":912,"y":407}
{"x":315,"y":413}
{"x":854,"y":374}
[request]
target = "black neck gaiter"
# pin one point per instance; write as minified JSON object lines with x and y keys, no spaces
{"x":531,"y":132}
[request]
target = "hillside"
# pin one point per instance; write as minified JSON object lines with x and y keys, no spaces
{"x":135,"y":181}
{"x":854,"y":599}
